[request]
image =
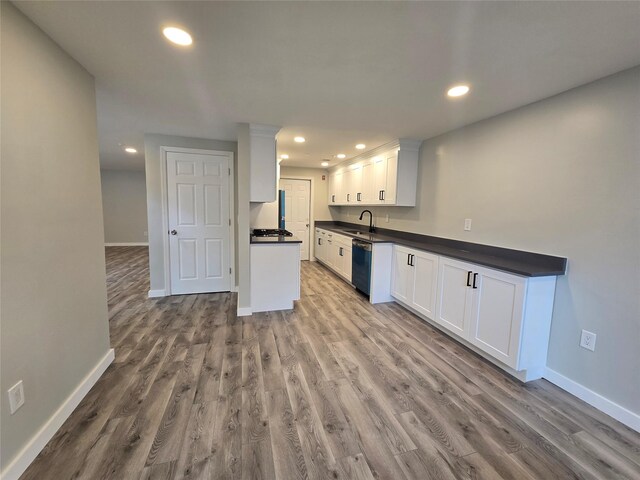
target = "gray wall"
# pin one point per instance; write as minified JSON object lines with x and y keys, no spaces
{"x":153,"y":169}
{"x":54,"y":309}
{"x":561,"y":176}
{"x":124,"y":206}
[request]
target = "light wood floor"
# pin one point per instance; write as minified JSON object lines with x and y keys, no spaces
{"x":336,"y":388}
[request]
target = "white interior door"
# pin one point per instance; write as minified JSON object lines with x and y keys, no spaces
{"x":297,"y":195}
{"x":199,"y":230}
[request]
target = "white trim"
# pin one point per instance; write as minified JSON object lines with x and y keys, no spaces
{"x":233,"y":226}
{"x":165,"y":210}
{"x":157,"y":293}
{"x":244,"y":311}
{"x":259,"y":130}
{"x":127,"y":244}
{"x":629,"y":418}
{"x":35,"y":445}
{"x":405,"y":144}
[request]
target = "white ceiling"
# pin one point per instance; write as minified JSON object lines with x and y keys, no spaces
{"x":336,"y":73}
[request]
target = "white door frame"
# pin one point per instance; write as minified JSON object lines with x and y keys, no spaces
{"x":312,"y":219}
{"x":165,"y":211}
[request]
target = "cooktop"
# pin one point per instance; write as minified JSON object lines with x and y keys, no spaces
{"x":271,"y":232}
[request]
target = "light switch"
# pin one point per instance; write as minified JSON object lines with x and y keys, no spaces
{"x":467,"y":224}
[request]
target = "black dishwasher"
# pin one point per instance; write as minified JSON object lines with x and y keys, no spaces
{"x":361,"y":265}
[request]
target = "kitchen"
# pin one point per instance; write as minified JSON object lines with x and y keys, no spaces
{"x":476,"y":293}
{"x":382,"y":240}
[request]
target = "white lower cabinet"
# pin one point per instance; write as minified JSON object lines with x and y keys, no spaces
{"x":334,"y":250}
{"x":343,"y":256}
{"x":497,"y":314}
{"x":483,"y":306}
{"x":506,"y":316}
{"x":414,"y":279}
{"x":454,"y":296}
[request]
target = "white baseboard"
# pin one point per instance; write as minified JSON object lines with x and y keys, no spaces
{"x":24,"y":458}
{"x":127,"y":244}
{"x":157,"y":293}
{"x":244,"y":311}
{"x":629,"y":418}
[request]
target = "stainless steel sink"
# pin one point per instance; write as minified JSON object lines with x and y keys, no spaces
{"x":356,"y":232}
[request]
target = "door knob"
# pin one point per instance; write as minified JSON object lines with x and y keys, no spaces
{"x":174,"y":232}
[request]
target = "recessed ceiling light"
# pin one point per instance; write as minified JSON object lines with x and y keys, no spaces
{"x":325,"y":164}
{"x":284,"y":156}
{"x":177,"y":36}
{"x":458,"y":90}
{"x":361,"y":146}
{"x":130,"y":150}
{"x":341,"y":156}
{"x":299,"y":139}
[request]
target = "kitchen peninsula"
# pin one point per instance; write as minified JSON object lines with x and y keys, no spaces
{"x":275,"y":271}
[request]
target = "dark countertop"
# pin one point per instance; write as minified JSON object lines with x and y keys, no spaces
{"x":274,"y":240}
{"x":519,"y":262}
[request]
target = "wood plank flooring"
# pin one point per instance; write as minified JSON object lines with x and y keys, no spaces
{"x":336,"y":388}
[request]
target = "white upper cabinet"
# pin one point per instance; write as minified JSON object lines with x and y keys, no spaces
{"x":263,"y":164}
{"x":387,"y":175}
{"x":337,"y":195}
{"x":369,"y":195}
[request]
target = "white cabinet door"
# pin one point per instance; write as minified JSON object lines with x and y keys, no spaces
{"x":356,"y":184}
{"x":331,"y":255}
{"x":391,"y":181}
{"x":497,"y":312}
{"x":340,"y":264}
{"x":263,"y":171}
{"x":321,"y":246}
{"x":379,"y":178}
{"x":353,"y":184}
{"x":402,"y":274}
{"x":331,"y":199}
{"x":338,"y":189}
{"x":425,"y":282}
{"x":454,"y":296}
{"x":346,"y":253}
{"x":369,"y":195}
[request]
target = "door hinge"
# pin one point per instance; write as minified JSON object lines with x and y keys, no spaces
{"x":229,"y":222}
{"x":229,"y":270}
{"x":229,"y":171}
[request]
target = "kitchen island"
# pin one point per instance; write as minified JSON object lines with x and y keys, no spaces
{"x":275,"y":272}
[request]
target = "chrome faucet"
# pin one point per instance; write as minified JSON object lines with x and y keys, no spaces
{"x":372,"y":229}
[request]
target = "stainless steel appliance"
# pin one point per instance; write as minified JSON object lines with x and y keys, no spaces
{"x":361,"y":265}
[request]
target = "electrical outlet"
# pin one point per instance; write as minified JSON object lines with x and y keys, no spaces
{"x":588,"y":340}
{"x":145,"y":233}
{"x":16,"y":397}
{"x":467,"y":224}
{"x":386,"y":218}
